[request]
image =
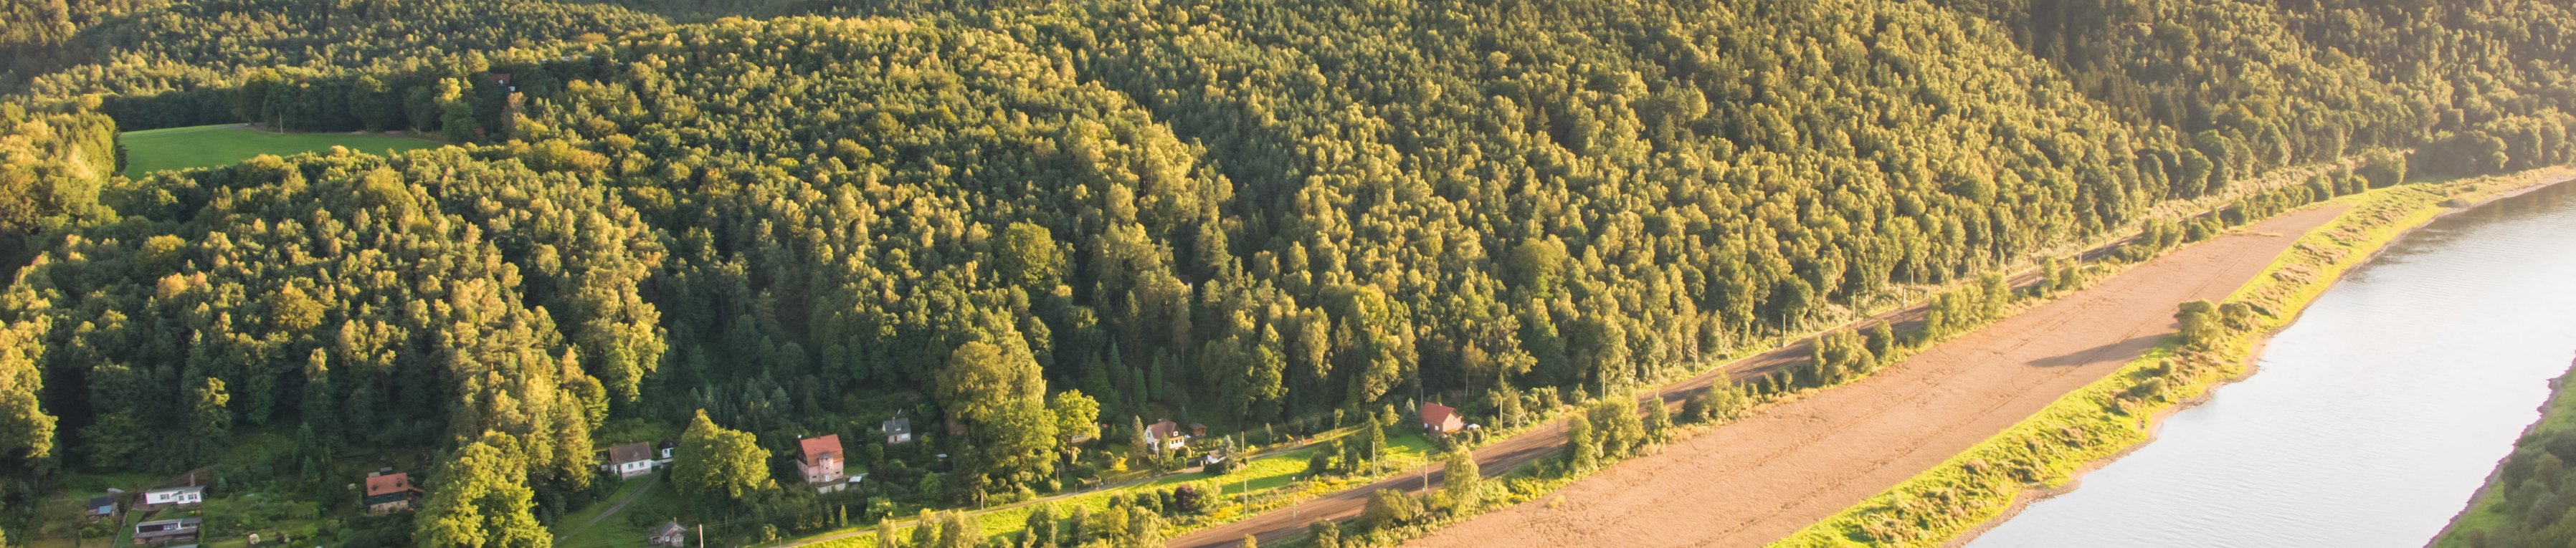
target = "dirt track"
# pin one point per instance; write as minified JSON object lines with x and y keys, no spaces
{"x":1759,"y":479}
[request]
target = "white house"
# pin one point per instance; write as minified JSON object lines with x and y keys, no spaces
{"x":628,"y":461}
{"x":175,"y":496}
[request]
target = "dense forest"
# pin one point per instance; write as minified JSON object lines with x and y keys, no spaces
{"x":758,"y":221}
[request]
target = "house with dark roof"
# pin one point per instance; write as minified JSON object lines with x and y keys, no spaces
{"x":1440,"y":420}
{"x":628,"y":461}
{"x":819,"y":461}
{"x":1166,"y":434}
{"x":898,"y":430}
{"x":389,"y":493}
{"x":166,"y":531}
{"x":99,"y":508}
{"x":669,"y":535}
{"x":662,"y":452}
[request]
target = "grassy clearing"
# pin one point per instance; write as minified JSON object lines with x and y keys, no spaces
{"x":2111,"y":415}
{"x":615,"y":532}
{"x":207,"y":146}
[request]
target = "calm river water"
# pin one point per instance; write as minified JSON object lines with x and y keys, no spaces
{"x":2372,"y":418}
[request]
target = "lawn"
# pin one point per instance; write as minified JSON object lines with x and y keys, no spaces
{"x":617,"y":531}
{"x":205,"y":146}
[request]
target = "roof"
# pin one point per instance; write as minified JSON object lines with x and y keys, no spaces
{"x":183,"y":522}
{"x":387,"y":484}
{"x":188,"y":489}
{"x":102,"y":501}
{"x":1161,"y":429}
{"x":827,"y":446}
{"x":632,"y":452}
{"x":669,"y":528}
{"x":1436,"y":414}
{"x":896,"y":426}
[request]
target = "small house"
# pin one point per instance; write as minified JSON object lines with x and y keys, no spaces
{"x":819,"y":461}
{"x":389,"y":493}
{"x":1198,"y":430}
{"x":898,"y":430}
{"x":1166,"y":434}
{"x":165,"y":531}
{"x":629,"y":461}
{"x":669,"y":535}
{"x":664,"y":451}
{"x":1440,"y":420}
{"x":99,"y":508}
{"x":183,"y":497}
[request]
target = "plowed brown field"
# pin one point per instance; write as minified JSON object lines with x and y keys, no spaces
{"x":1759,"y":479}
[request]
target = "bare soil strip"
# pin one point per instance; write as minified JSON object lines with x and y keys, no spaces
{"x":1763,"y":477}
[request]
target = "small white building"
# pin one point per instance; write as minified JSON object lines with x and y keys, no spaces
{"x":628,"y":461}
{"x":175,"y":496}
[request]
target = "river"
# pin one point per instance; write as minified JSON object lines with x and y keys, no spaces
{"x":2371,"y":419}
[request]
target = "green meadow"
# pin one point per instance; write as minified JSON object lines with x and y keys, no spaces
{"x":204,"y":146}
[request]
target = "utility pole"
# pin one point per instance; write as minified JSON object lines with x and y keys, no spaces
{"x":702,"y":535}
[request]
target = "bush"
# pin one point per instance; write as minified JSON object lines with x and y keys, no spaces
{"x":1390,"y":508}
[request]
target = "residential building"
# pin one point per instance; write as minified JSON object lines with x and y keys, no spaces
{"x":1166,"y":434}
{"x":819,"y":460}
{"x":389,"y":493}
{"x":166,"y":531}
{"x":898,"y":430}
{"x":183,"y":497}
{"x":628,"y":461}
{"x":669,"y":535}
{"x":1440,"y":420}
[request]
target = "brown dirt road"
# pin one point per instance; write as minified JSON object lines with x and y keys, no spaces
{"x":1761,"y":478}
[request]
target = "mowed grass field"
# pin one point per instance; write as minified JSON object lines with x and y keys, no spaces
{"x":204,"y":146}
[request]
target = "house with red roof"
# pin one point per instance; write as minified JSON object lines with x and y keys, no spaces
{"x":1440,"y":420}
{"x":389,"y":493}
{"x":819,"y":460}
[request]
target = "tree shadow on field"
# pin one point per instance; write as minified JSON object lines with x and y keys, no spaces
{"x":2089,"y":355}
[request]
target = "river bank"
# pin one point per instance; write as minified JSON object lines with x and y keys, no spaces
{"x":2484,"y":513}
{"x":2087,"y":428}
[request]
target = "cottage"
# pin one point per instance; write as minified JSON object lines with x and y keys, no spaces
{"x":898,"y":430}
{"x":628,"y":461}
{"x":1440,"y":420}
{"x":164,"y":531}
{"x":819,"y":461}
{"x":100,"y":507}
{"x":669,"y":535}
{"x":183,"y":497}
{"x":662,"y":452}
{"x":389,"y":493}
{"x":1166,"y":434}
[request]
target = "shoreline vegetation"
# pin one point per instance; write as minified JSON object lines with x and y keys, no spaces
{"x":2516,"y":500}
{"x":2043,"y":455}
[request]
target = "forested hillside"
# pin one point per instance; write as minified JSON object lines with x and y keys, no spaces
{"x":1259,"y":215}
